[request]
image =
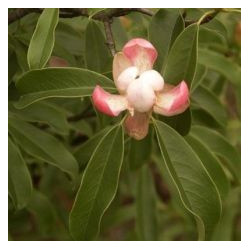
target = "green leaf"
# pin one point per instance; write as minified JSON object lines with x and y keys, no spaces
{"x":146,"y":219}
{"x":164,"y":28}
{"x":43,"y":39}
{"x":208,"y":37}
{"x":182,"y":58}
{"x":216,"y":61}
{"x":37,"y":85}
{"x":219,"y":145}
{"x":44,"y":213}
{"x":119,"y":33}
{"x":97,"y":55}
{"x":44,"y":112}
{"x":225,"y":229}
{"x":211,"y":163}
{"x":140,"y":151}
{"x":98,"y":186}
{"x":200,"y":73}
{"x":208,"y":101}
{"x":20,"y":184}
{"x":196,"y":188}
{"x":181,"y":123}
{"x":83,"y":127}
{"x":84,"y":152}
{"x":43,"y":146}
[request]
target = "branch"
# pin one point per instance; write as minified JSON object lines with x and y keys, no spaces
{"x":74,"y":12}
{"x":109,"y":36}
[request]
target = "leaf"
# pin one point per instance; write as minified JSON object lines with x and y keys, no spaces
{"x":97,"y":55}
{"x":146,"y":220}
{"x":119,"y":33}
{"x":84,"y":152}
{"x":37,"y":85}
{"x":83,"y":127}
{"x":225,"y":230}
{"x":98,"y":186}
{"x":19,"y":179}
{"x":196,"y":188}
{"x":208,"y":37}
{"x":200,"y":73}
{"x":43,"y":146}
{"x":216,"y":61}
{"x":211,"y":163}
{"x":69,"y":37}
{"x":163,"y":29}
{"x":44,"y":212}
{"x":182,"y":58}
{"x":43,"y":39}
{"x":140,"y":151}
{"x":181,"y":123}
{"x":220,"y":146}
{"x":208,"y":101}
{"x":44,"y":112}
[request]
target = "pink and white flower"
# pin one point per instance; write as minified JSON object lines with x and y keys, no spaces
{"x":142,"y":89}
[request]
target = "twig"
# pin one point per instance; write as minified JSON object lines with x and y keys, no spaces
{"x":74,"y":12}
{"x":109,"y":36}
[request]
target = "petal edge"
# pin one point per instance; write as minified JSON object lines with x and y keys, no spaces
{"x":107,"y":103}
{"x":172,"y":100}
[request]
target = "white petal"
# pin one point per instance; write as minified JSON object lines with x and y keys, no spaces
{"x":140,"y":96}
{"x":152,"y":78}
{"x":125,"y":78}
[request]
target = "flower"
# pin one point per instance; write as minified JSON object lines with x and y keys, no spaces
{"x":142,"y":89}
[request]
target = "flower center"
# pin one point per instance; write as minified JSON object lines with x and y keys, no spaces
{"x":140,"y":88}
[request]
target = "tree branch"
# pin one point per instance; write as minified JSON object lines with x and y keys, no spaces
{"x":74,"y":12}
{"x":109,"y":36}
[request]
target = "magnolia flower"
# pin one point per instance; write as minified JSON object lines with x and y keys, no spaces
{"x":142,"y":89}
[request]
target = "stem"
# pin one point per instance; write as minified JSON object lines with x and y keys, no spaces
{"x":74,"y":12}
{"x":109,"y":36}
{"x":231,"y":10}
{"x":208,"y":16}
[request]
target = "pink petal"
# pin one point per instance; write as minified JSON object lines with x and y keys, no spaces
{"x":120,"y":63}
{"x":108,"y":104}
{"x":172,"y":100}
{"x":137,"y":125}
{"x":141,"y":53}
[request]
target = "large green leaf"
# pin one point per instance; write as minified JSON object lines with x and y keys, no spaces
{"x":84,"y":152}
{"x":43,"y":39}
{"x":146,"y":219}
{"x":211,"y":163}
{"x":220,"y":146}
{"x":98,"y":186}
{"x":43,"y":146}
{"x":218,"y":62}
{"x":182,"y":58}
{"x":197,"y":190}
{"x":37,"y":85}
{"x":164,"y":27}
{"x":208,"y":101}
{"x":200,"y":73}
{"x":20,"y":184}
{"x":44,"y":112}
{"x":97,"y":55}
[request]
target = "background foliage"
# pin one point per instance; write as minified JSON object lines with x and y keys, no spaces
{"x":74,"y":174}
